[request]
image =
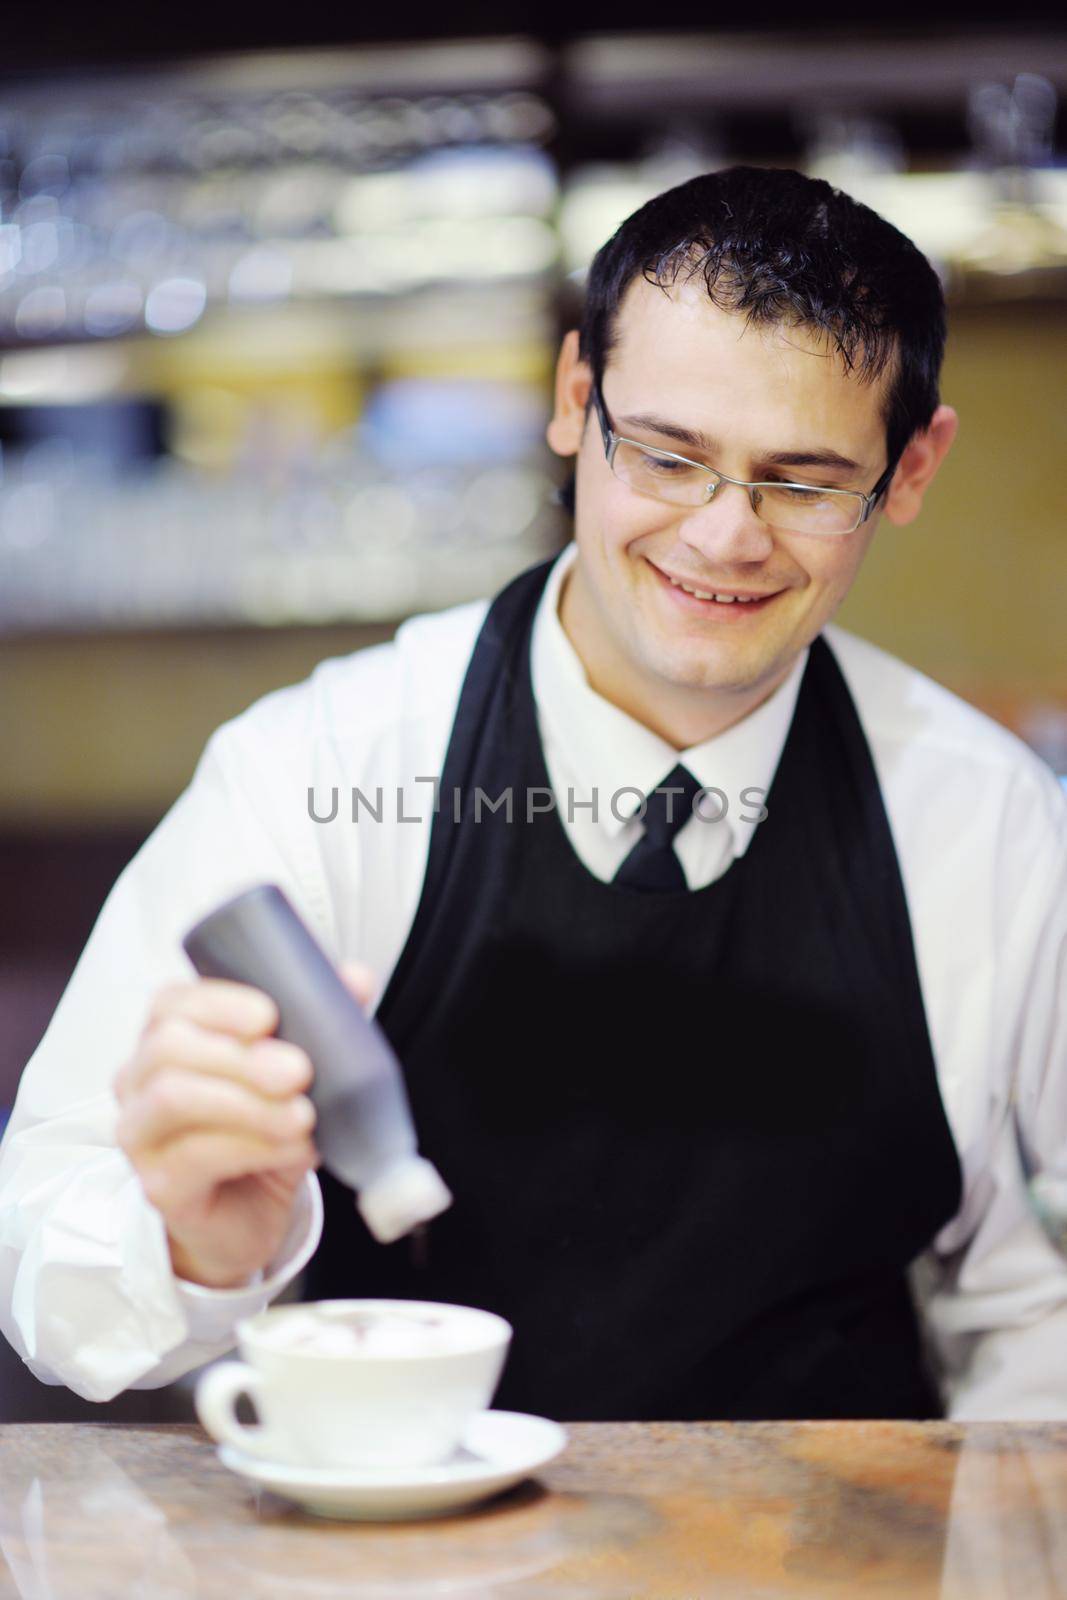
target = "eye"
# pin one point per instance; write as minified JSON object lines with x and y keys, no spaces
{"x":796,"y":491}
{"x":664,"y":465}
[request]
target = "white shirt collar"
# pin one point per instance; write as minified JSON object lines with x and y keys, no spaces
{"x":607,"y":750}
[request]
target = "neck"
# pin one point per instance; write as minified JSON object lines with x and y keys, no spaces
{"x":681,"y":716}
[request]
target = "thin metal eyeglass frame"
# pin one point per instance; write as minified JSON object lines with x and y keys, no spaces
{"x":612,"y":440}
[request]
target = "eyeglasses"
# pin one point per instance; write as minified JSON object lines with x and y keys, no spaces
{"x":789,"y":507}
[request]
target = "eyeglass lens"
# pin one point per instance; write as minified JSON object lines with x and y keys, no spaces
{"x":798,"y":509}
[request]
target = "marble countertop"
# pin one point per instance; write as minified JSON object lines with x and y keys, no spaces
{"x":631,"y":1511}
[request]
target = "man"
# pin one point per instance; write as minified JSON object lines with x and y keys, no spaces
{"x":722,"y":970}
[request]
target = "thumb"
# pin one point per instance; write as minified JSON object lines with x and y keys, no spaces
{"x":360,"y":979}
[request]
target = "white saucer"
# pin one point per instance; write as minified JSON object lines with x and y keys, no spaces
{"x":499,"y":1448}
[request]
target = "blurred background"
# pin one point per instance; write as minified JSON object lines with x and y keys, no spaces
{"x":280,"y":300}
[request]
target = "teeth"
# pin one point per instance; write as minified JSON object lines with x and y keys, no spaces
{"x":705,"y":594}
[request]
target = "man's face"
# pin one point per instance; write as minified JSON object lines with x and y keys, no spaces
{"x":750,"y":391}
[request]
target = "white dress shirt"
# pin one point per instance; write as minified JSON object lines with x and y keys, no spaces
{"x":87,"y":1293}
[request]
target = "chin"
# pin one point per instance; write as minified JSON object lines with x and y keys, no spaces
{"x":698,"y":672}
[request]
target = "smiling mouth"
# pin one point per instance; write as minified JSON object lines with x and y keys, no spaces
{"x":715,"y":600}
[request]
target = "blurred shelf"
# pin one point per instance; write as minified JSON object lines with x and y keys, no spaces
{"x":328,"y":541}
{"x":307,"y":276}
{"x":869,"y":67}
{"x":431,"y":65}
{"x":458,"y":328}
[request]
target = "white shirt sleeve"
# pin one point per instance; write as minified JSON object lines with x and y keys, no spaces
{"x":88,"y":1297}
{"x":994,"y":1290}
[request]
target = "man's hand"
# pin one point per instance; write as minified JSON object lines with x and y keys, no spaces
{"x":215,"y":1121}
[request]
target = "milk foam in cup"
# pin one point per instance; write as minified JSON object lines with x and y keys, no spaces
{"x":357,"y":1383}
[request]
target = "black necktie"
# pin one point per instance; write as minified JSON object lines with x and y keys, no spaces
{"x":652,"y":863}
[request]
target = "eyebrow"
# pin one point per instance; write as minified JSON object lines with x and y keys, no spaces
{"x":829,"y":459}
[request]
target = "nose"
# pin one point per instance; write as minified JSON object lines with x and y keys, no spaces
{"x":727,"y":529}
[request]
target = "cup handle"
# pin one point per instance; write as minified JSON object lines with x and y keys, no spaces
{"x":216,"y":1397}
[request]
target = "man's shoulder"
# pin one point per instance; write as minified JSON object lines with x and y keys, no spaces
{"x":903,"y":709}
{"x":970,"y":803}
{"x":355,"y":697}
{"x":417,"y":674}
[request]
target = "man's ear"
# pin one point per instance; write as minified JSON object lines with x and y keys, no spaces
{"x":574,"y":380}
{"x":918,"y":465}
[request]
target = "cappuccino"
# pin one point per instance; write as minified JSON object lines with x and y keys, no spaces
{"x":357,"y":1383}
{"x":339,"y":1331}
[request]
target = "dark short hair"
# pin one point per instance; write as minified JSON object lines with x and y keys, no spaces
{"x":782,"y":248}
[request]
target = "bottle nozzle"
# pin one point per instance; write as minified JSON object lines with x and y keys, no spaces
{"x":407,"y":1193}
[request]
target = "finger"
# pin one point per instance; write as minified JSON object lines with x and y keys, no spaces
{"x":216,"y":1003}
{"x":270,"y":1066}
{"x":177,"y":1100}
{"x":191,"y":1167}
{"x":361,"y":980}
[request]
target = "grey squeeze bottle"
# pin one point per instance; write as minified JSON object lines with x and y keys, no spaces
{"x":364,"y":1131}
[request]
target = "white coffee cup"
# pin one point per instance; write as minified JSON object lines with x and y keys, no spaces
{"x":357,"y":1383}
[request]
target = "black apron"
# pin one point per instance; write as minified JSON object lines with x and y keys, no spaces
{"x":694,"y":1137}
